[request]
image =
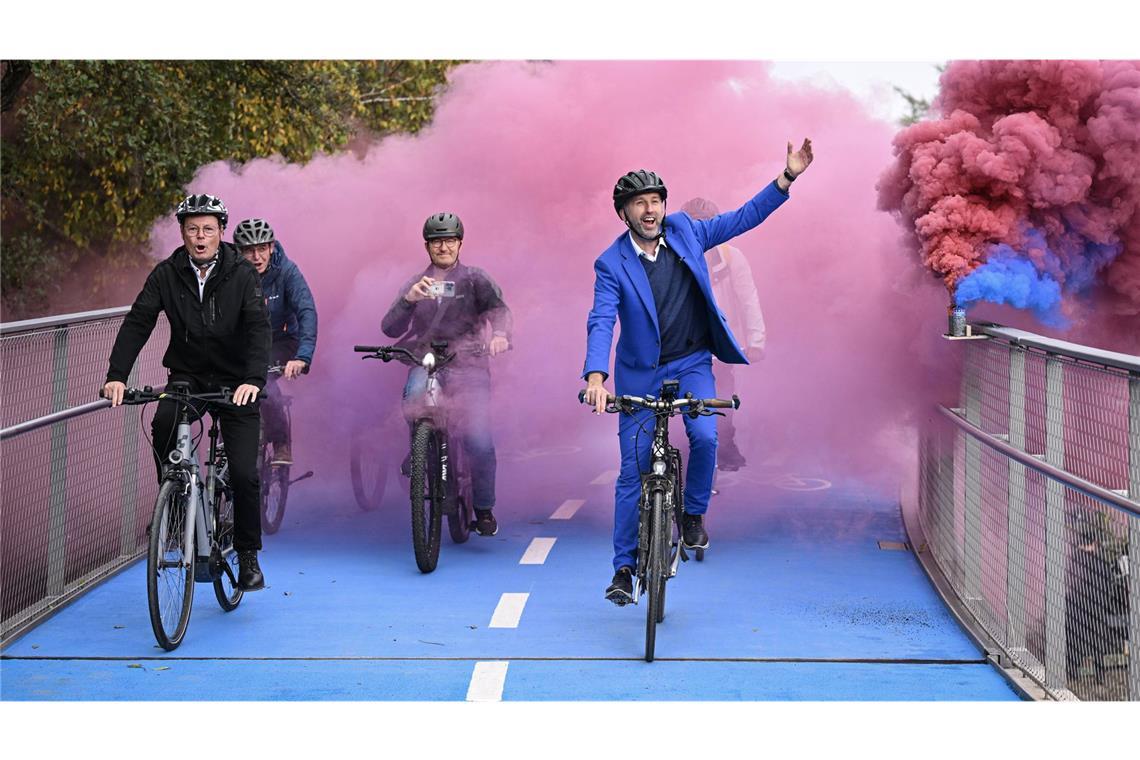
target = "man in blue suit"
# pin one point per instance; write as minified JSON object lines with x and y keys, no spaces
{"x":655,"y":281}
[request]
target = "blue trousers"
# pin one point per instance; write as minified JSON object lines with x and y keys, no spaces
{"x":695,"y":374}
{"x":467,"y":391}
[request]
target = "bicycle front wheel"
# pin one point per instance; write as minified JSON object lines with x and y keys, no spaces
{"x":426,"y":496}
{"x":656,"y":570}
{"x":169,"y":572}
{"x":225,"y":587}
{"x":274,"y":492}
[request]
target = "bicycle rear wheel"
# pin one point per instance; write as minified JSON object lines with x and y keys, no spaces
{"x":169,"y":572}
{"x":274,"y":492}
{"x":426,"y":496}
{"x":369,"y":470}
{"x":225,"y":588}
{"x":656,"y":570}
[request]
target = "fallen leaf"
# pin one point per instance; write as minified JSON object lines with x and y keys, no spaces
{"x":135,"y":665}
{"x":164,"y":667}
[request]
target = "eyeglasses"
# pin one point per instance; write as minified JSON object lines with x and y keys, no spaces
{"x":206,"y":231}
{"x":441,"y":242}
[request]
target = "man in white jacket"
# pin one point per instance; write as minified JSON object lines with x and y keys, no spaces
{"x":735,"y":292}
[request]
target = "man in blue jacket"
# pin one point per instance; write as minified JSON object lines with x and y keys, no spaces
{"x":292,"y":319}
{"x":655,"y":280}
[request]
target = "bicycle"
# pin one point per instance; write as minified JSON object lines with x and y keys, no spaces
{"x":275,"y":480}
{"x":440,"y":475}
{"x":660,"y":548}
{"x":190,"y":537}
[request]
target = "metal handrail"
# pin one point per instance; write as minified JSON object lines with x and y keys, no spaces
{"x":1092,"y":490}
{"x":43,"y":323}
{"x":51,"y":419}
{"x":1128,"y":362}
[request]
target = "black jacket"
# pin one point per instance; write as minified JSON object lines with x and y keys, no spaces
{"x":222,"y":339}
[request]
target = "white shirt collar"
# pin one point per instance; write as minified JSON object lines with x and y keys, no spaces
{"x":656,"y":250}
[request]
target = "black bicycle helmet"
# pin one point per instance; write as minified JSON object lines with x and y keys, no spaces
{"x":443,"y":225}
{"x":252,"y":232}
{"x":201,"y":205}
{"x":636,"y":183}
{"x":700,"y":208}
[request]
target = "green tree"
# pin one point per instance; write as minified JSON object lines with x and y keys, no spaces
{"x":96,"y":151}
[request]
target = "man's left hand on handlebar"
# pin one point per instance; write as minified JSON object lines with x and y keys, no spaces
{"x":293,"y":368}
{"x":245,"y":394}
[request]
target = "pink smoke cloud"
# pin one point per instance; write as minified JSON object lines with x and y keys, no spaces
{"x":527,"y":154}
{"x":1041,"y":156}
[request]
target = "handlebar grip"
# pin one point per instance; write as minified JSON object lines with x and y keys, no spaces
{"x":719,"y":403}
{"x":582,"y":396}
{"x":366,"y":349}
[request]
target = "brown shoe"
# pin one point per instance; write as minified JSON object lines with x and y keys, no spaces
{"x":281,"y":454}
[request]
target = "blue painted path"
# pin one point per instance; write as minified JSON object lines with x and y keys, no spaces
{"x":795,"y":601}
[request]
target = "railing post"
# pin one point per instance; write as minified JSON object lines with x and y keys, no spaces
{"x":57,"y":509}
{"x":1015,"y":540}
{"x":1055,"y":634}
{"x":129,"y":485}
{"x":1134,"y":538}
{"x":972,"y":517}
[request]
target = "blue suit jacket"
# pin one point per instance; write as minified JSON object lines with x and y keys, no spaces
{"x":621,"y":290}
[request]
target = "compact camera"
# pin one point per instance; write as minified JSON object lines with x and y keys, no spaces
{"x":442,"y":289}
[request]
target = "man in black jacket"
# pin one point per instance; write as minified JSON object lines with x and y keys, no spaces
{"x":219,"y":337}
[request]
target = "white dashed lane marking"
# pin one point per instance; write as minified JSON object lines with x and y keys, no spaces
{"x":567,"y":510}
{"x":607,"y":477}
{"x":535,"y":554}
{"x":508,"y":611}
{"x":487,"y":682}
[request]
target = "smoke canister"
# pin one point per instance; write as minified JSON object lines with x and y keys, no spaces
{"x":957,"y":322}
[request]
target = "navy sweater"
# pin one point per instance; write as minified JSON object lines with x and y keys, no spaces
{"x":680,"y":306}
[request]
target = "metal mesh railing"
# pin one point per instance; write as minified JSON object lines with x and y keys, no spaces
{"x":1027,"y":498}
{"x":76,"y":494}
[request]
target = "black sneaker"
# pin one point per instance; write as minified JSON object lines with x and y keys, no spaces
{"x":693,"y":530}
{"x":620,"y":591}
{"x":485,"y":523}
{"x":249,"y":573}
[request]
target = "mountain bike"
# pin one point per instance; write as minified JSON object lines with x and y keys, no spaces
{"x":275,"y":480}
{"x":660,"y":549}
{"x":440,"y":475}
{"x":191,"y":533}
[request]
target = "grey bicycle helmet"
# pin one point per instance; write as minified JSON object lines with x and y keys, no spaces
{"x":443,"y":225}
{"x":636,"y":183}
{"x":700,"y":208}
{"x":201,"y":205}
{"x":252,"y":232}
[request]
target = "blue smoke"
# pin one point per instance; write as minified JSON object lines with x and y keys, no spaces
{"x":1010,"y":279}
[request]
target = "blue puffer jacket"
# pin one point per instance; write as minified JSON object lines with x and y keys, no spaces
{"x":292,"y":312}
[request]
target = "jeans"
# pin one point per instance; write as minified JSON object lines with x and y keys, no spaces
{"x":695,"y":374}
{"x":467,"y":395}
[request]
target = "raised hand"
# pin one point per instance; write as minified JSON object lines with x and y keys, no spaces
{"x":799,"y":160}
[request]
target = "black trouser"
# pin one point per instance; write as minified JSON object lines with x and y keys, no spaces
{"x":241,"y":428}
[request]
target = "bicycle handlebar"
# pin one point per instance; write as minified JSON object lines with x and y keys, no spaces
{"x":147,"y":395}
{"x":617,"y":403}
{"x":388,"y":353}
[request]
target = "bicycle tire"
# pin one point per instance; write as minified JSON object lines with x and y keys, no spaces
{"x":228,"y":594}
{"x":654,"y":578}
{"x":459,"y":524}
{"x":679,"y":500}
{"x":425,"y":495}
{"x":169,"y":573}
{"x":274,"y":492}
{"x":369,"y":476}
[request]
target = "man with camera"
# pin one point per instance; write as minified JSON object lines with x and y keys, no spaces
{"x":449,"y":301}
